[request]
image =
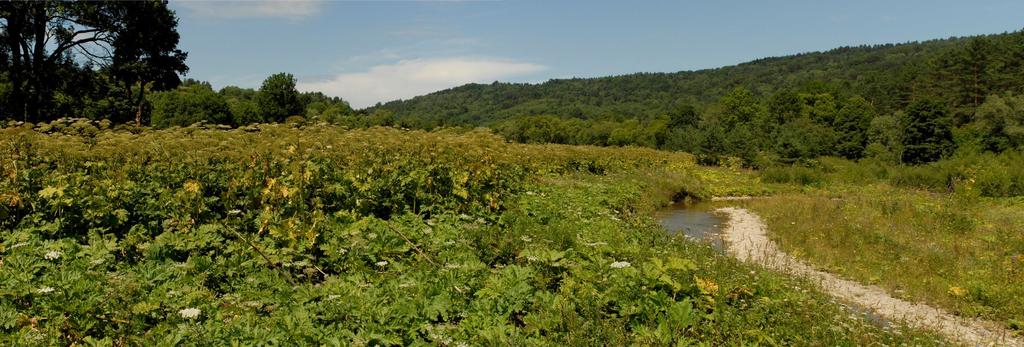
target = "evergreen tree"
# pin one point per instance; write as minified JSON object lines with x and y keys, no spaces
{"x":927,"y":132}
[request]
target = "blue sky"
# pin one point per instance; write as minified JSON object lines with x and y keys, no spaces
{"x":370,"y":51}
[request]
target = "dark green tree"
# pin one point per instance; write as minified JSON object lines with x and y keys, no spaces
{"x":927,"y":132}
{"x":43,"y":39}
{"x":851,"y":126}
{"x":684,"y":115}
{"x":277,"y":98}
{"x":803,"y":139}
{"x":784,"y":106}
{"x":145,"y":51}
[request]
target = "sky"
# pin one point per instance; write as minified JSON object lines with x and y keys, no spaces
{"x":376,"y":51}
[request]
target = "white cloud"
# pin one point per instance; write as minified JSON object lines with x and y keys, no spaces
{"x":291,"y":9}
{"x":408,"y":78}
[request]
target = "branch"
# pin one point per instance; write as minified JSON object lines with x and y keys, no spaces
{"x":414,"y":246}
{"x":60,"y":49}
{"x":270,"y":263}
{"x":93,"y":57}
{"x":26,"y":52}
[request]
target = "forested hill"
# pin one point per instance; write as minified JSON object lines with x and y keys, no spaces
{"x":961,"y":71}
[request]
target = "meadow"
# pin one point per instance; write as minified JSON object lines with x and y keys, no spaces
{"x":950,"y":230}
{"x":286,"y":234}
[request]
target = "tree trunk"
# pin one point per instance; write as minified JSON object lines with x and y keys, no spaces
{"x":139,"y":103}
{"x":17,"y":98}
{"x":39,"y":90}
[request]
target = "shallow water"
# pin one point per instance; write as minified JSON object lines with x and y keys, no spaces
{"x":696,"y":221}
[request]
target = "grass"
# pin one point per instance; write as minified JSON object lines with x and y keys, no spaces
{"x":961,"y":253}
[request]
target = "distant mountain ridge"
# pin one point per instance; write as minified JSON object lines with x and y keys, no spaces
{"x":888,"y":75}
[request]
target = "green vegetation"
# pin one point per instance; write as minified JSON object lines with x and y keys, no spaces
{"x":912,"y":103}
{"x":87,"y":59}
{"x":193,"y":102}
{"x":892,"y":102}
{"x":140,"y":209}
{"x":957,"y":246}
{"x":315,"y":235}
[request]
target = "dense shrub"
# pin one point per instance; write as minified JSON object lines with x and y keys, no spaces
{"x":793,"y":174}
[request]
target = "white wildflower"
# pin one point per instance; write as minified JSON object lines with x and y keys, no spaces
{"x":620,"y":264}
{"x":333,"y":296}
{"x":452,"y":266}
{"x":234,"y":212}
{"x":382,"y":263}
{"x":449,"y":243}
{"x":52,"y":255}
{"x":526,"y":238}
{"x":44,"y":290}
{"x":531,"y":258}
{"x":189,"y":313}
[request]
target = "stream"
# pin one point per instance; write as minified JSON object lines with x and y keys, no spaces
{"x":696,"y":221}
{"x":699,"y":223}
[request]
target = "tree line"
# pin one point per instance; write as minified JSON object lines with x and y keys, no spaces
{"x":91,"y":59}
{"x":908,"y":103}
{"x":911,"y":103}
{"x":790,"y":127}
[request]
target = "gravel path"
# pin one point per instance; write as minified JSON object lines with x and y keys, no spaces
{"x":748,"y":241}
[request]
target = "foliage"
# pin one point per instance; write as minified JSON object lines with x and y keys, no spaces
{"x":756,"y":110}
{"x":193,"y":102}
{"x":927,"y":132}
{"x":137,"y":40}
{"x":277,"y":98}
{"x":281,"y":234}
{"x":1000,"y":122}
{"x":888,"y":76}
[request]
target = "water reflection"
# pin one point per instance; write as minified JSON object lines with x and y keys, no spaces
{"x":696,"y":221}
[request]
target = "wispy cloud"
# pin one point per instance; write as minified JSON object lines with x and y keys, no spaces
{"x":290,"y":9}
{"x":408,"y":78}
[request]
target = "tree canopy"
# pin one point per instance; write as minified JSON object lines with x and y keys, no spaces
{"x":88,"y":52}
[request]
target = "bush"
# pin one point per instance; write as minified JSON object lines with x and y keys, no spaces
{"x":793,"y":174}
{"x":189,"y":104}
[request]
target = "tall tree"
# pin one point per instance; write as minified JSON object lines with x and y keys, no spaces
{"x":145,"y":51}
{"x":851,"y":124}
{"x":277,"y":98}
{"x":38,"y":35}
{"x":42,"y":37}
{"x":928,"y":134}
